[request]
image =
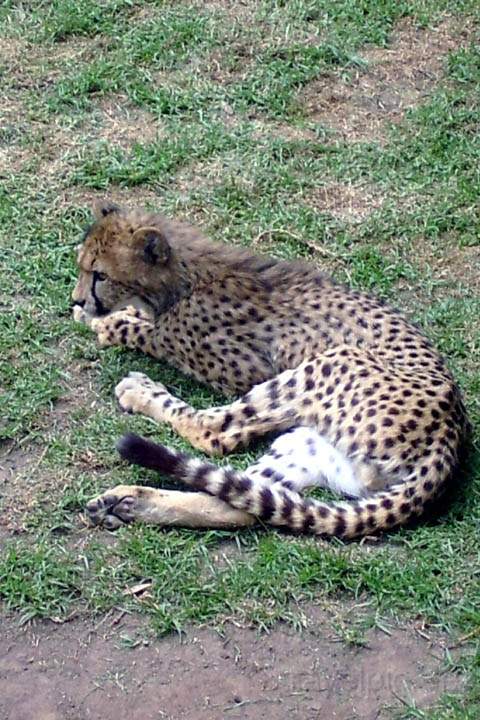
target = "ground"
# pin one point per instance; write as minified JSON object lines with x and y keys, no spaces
{"x":343,"y":132}
{"x":83,"y":670}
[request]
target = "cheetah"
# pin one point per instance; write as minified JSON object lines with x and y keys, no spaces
{"x":359,"y":400}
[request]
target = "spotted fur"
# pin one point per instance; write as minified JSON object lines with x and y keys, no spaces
{"x":299,"y":349}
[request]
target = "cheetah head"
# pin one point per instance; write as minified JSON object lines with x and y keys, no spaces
{"x":126,"y":258}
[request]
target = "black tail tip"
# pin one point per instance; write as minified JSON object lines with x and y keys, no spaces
{"x":130,"y":447}
{"x":140,"y":451}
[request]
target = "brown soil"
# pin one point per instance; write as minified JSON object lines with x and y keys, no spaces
{"x":77,"y":671}
{"x":396,"y":78}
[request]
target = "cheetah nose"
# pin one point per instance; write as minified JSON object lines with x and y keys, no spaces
{"x":80,"y":303}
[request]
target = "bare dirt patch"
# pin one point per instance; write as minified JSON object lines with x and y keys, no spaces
{"x":76,"y":671}
{"x":396,"y":78}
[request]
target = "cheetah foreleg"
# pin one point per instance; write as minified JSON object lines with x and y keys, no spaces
{"x":130,"y":327}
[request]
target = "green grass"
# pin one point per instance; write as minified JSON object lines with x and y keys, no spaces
{"x":235,"y":151}
{"x":40,"y":581}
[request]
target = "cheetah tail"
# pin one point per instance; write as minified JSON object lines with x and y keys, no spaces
{"x":278,"y":505}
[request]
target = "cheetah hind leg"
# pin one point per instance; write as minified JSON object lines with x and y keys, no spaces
{"x":125,"y":504}
{"x":297,"y":459}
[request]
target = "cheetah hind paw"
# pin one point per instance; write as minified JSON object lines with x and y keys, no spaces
{"x":114,"y":508}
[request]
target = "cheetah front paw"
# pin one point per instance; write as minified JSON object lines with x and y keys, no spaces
{"x":132,"y":312}
{"x":114,"y":508}
{"x":81,"y":316}
{"x":104,"y":335}
{"x":136,"y":391}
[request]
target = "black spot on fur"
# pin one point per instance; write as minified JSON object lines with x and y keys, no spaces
{"x":226,"y":422}
{"x":326,"y":369}
{"x":287,"y":507}
{"x":227,"y":485}
{"x":267,"y":504}
{"x":340,"y":526}
{"x":308,"y":521}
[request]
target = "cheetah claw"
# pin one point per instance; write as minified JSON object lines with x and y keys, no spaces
{"x":112,"y":510}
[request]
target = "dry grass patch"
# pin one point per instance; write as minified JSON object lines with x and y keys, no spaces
{"x":450,"y":276}
{"x":24,"y":480}
{"x":397,"y":78}
{"x":28,"y":66}
{"x":445,"y":261}
{"x":18,"y":488}
{"x":115,"y":121}
{"x":206,"y":175}
{"x":13,"y":159}
{"x":122,"y":124}
{"x":233,"y":10}
{"x":13,"y":52}
{"x":13,"y":110}
{"x":348,"y":203}
{"x":222,"y":69}
{"x":291,"y":133}
{"x":125,"y":197}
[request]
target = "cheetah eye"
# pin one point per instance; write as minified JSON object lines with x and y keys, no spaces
{"x":99,"y":276}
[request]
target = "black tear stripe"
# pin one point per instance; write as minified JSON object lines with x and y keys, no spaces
{"x":99,"y":306}
{"x":147,"y":301}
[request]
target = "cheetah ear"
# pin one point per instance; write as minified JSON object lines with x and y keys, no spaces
{"x":103,"y":208}
{"x":155,"y":247}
